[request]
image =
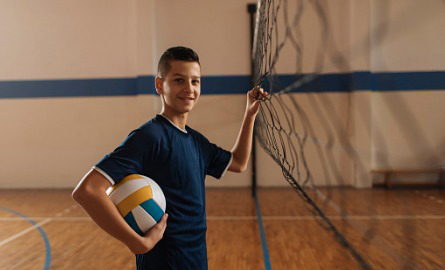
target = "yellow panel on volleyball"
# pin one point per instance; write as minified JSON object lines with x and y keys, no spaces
{"x":136,"y":198}
{"x":139,"y":200}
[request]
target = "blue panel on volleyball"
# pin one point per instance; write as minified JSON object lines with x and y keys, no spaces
{"x":153,"y":209}
{"x":129,"y":218}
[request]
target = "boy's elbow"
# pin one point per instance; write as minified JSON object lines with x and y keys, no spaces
{"x":242,"y":169}
{"x":80,"y":194}
{"x":237,"y":168}
{"x":238,"y":165}
{"x":90,"y":187}
{"x":77,"y":195}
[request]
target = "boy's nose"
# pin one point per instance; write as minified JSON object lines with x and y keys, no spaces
{"x":188,"y":88}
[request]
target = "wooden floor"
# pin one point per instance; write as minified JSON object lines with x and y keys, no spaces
{"x":395,"y":229}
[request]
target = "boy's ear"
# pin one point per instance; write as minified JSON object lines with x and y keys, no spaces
{"x":158,"y":84}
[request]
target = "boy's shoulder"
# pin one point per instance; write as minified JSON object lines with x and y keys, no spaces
{"x":152,"y":125}
{"x":158,"y":128}
{"x":196,"y":134}
{"x":153,"y":129}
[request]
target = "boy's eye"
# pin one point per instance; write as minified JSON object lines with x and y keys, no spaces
{"x":195,"y":82}
{"x":179,"y":80}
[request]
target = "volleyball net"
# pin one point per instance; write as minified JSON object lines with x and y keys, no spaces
{"x":313,"y":123}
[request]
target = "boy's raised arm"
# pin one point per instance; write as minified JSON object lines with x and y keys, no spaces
{"x":243,"y":145}
{"x":90,"y":193}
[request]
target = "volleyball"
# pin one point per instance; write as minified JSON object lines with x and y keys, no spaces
{"x":139,"y":200}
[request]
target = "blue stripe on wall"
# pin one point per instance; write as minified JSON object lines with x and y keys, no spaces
{"x":433,"y":80}
{"x":341,"y":82}
{"x":345,"y":82}
{"x":77,"y":88}
{"x":225,"y":84}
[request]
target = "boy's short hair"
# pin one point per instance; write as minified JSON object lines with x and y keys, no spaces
{"x":178,"y":53}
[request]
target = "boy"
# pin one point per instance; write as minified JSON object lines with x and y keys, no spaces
{"x":178,"y":158}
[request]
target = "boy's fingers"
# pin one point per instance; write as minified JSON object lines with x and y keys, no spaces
{"x":164,"y":219}
{"x":258,"y":93}
{"x":160,"y":227}
{"x":163,"y":222}
{"x":261,"y":94}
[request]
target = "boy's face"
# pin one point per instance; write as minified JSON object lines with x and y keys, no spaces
{"x":181,"y":87}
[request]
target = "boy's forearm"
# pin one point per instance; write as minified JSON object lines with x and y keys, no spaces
{"x":105,"y":214}
{"x":243,"y":145}
{"x":107,"y":217}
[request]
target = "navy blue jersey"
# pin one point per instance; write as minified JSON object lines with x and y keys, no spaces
{"x":178,"y":160}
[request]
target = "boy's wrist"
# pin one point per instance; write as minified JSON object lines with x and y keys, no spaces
{"x":250,"y":115}
{"x":140,"y":245}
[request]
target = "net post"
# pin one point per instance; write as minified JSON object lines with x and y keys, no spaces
{"x":251,"y":9}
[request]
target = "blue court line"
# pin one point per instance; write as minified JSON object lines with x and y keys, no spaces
{"x":263,"y":235}
{"x":228,"y":84}
{"x":42,"y":232}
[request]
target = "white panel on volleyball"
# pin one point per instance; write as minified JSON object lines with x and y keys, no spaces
{"x":126,"y":189}
{"x":158,"y":196}
{"x":143,"y":219}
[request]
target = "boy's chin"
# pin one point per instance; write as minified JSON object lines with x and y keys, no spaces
{"x":184,"y":110}
{"x":187,"y":109}
{"x":178,"y":109}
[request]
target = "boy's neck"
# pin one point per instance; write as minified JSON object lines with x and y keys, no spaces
{"x":180,"y":120}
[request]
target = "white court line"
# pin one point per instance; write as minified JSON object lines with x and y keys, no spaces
{"x":384,"y":217}
{"x":56,"y":218}
{"x":15,"y":236}
{"x":222,"y":218}
{"x":433,"y":198}
{"x":231,"y":217}
{"x":364,"y":217}
{"x":37,"y":225}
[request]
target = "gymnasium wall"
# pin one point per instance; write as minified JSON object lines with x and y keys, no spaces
{"x":394,"y":116}
{"x":411,"y":122}
{"x":50,"y":139}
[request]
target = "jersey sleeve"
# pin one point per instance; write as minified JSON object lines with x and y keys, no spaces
{"x":218,"y":160}
{"x":129,"y":157}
